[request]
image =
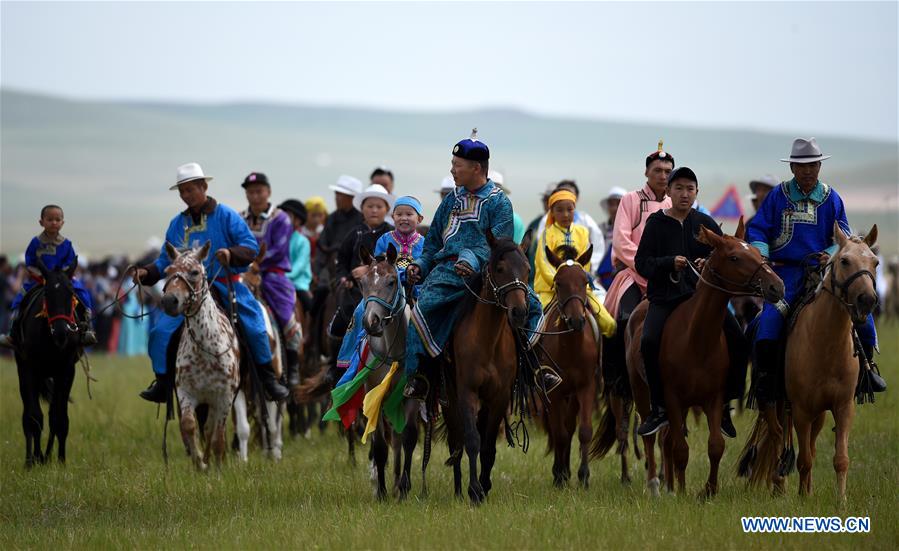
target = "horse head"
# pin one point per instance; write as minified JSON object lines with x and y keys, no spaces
{"x":852,"y":271}
{"x":59,"y":298}
{"x":185,"y":283}
{"x":737,"y":267}
{"x":383,"y":294}
{"x":507,"y":275}
{"x":570,"y":283}
{"x":252,"y":278}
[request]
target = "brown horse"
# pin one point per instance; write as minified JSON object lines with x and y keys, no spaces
{"x":825,"y":380}
{"x":484,"y":364}
{"x":571,"y":403}
{"x":693,"y":359}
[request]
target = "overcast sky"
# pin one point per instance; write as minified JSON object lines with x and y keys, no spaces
{"x":808,"y":68}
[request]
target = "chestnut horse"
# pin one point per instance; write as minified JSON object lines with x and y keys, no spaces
{"x":823,"y":380}
{"x":571,"y":403}
{"x":693,"y":358}
{"x":484,"y":364}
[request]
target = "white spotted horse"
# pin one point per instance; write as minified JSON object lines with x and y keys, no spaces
{"x":208,"y":357}
{"x":45,"y":359}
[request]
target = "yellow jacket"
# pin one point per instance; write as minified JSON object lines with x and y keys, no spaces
{"x":578,"y":237}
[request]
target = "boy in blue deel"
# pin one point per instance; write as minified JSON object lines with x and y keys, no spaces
{"x":54,"y":251}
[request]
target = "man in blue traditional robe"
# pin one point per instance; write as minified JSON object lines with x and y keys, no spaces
{"x":794,"y":230}
{"x":235,"y":247}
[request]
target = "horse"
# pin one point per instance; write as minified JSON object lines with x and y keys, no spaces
{"x":208,"y":358}
{"x":572,"y":402}
{"x":250,"y":397}
{"x":386,"y":319}
{"x":484,"y":364}
{"x":823,"y":381}
{"x":693,"y":358}
{"x":45,"y":359}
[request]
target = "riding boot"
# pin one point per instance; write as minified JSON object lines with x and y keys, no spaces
{"x":658,"y":417}
{"x":159,"y":390}
{"x":274,"y":390}
{"x":293,"y":368}
{"x":417,"y":388}
{"x":872,"y":381}
{"x":764,"y":366}
{"x":727,"y":425}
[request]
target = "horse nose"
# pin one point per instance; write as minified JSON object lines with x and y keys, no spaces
{"x":170,"y":304}
{"x":372,"y":324}
{"x":577,"y":324}
{"x":866,"y":302}
{"x":59,"y":338}
{"x":518,"y":315}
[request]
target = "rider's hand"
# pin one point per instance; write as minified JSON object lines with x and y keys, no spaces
{"x":224,"y":256}
{"x":138,"y":275}
{"x":823,"y":258}
{"x":700,"y":263}
{"x":344,"y":282}
{"x":413,"y":274}
{"x":680,"y":262}
{"x":463,"y":269}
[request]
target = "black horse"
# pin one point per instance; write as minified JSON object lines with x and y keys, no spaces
{"x":49,"y":346}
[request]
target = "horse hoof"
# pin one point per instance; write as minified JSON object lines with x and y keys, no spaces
{"x":476,"y":495}
{"x":559,"y":482}
{"x":653,"y":486}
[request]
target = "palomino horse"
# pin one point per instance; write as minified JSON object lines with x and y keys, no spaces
{"x":821,"y":370}
{"x":250,"y":399}
{"x":385,"y":320}
{"x":484,"y":364}
{"x":208,"y":357}
{"x":571,"y":403}
{"x":45,"y":359}
{"x":693,"y":358}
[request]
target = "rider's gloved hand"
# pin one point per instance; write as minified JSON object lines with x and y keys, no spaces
{"x":413,"y":274}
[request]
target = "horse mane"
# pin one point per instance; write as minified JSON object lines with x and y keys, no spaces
{"x":566,"y":252}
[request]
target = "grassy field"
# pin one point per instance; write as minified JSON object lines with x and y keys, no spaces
{"x":115,"y":490}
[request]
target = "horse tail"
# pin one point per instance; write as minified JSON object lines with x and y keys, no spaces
{"x":606,"y":435}
{"x":761,"y":457}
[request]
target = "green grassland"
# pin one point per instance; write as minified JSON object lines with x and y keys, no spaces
{"x":116,"y":492}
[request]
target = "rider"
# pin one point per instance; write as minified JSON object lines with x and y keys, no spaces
{"x":300,"y":273}
{"x":408,"y":244}
{"x":456,"y":248}
{"x":207,"y":220}
{"x":667,"y":245}
{"x":794,"y":228}
{"x":561,"y":230}
{"x":273,"y":227}
{"x":628,"y":286}
{"x":55,"y":251}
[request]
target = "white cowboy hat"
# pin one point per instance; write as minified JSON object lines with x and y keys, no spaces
{"x":805,"y":151}
{"x":189,"y":172}
{"x":447,"y":185}
{"x":347,"y":185}
{"x":616,"y":192}
{"x":374,"y":190}
{"x":766,"y":180}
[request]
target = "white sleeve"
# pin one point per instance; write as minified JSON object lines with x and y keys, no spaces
{"x":599,"y":250}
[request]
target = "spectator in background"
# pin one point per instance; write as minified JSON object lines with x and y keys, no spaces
{"x":316,"y":213}
{"x":300,"y":273}
{"x":382,"y":176}
{"x":606,"y":271}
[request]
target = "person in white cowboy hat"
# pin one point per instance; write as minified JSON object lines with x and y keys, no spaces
{"x":760,"y":189}
{"x":518,"y":229}
{"x":609,"y":204}
{"x":235,"y":247}
{"x":447,"y":185}
{"x":793,"y":228}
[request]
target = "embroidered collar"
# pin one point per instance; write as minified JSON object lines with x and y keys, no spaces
{"x":207,"y":208}
{"x":405,"y":241}
{"x":795,"y":194}
{"x":649,"y":192}
{"x":482,"y":192}
{"x":47,"y":240}
{"x":264,"y":215}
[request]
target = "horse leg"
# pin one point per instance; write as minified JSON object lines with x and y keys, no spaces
{"x":557,"y":435}
{"x":713,"y":414}
{"x":396,"y":445}
{"x":667,"y":455}
{"x":410,"y":440}
{"x":379,"y":455}
{"x":59,"y":413}
{"x":585,"y":430}
{"x":679,"y":448}
{"x":489,"y":432}
{"x":803,"y":424}
{"x":652,"y":477}
{"x":351,"y":443}
{"x":215,"y":422}
{"x":32,"y":417}
{"x":817,"y":424}
{"x":468,"y":402}
{"x":189,"y":430}
{"x":621,"y":410}
{"x":276,"y":443}
{"x":241,"y":424}
{"x":843,"y":415}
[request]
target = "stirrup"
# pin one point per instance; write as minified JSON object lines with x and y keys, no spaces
{"x":551,"y":379}
{"x":412,"y":392}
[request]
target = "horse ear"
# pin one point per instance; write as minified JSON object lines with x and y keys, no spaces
{"x":707,"y":237}
{"x":391,"y":254}
{"x":491,"y":239}
{"x":741,"y":230}
{"x":263,"y":248}
{"x":551,"y":257}
{"x":204,"y":250}
{"x":871,"y":238}
{"x":584,"y":259}
{"x":364,"y":255}
{"x":171,"y":251}
{"x":838,"y":236}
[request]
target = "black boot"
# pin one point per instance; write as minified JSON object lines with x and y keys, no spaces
{"x":293,"y":368}
{"x":872,"y":381}
{"x":159,"y":390}
{"x":417,"y":388}
{"x":727,"y":425}
{"x":274,"y":390}
{"x":657,"y":419}
{"x":764,"y":366}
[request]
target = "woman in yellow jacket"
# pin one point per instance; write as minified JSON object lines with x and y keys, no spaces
{"x":561,"y":230}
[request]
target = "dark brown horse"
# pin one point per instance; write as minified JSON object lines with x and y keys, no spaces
{"x":573,"y":340}
{"x":693,"y":359}
{"x":484,"y":364}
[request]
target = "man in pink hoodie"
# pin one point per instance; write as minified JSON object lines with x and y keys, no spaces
{"x":628,"y":287}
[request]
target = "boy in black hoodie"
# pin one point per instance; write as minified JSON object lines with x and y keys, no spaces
{"x":667,"y":244}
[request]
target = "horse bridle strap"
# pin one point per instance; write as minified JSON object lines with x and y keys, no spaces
{"x":843,"y":287}
{"x":193,"y":294}
{"x":500,"y":291}
{"x":755,"y":288}
{"x":395,"y":307}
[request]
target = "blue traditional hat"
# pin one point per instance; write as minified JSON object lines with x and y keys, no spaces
{"x":472,"y":148}
{"x":409,"y":201}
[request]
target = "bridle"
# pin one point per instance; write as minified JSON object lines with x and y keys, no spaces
{"x":843,"y":288}
{"x":394,"y":308}
{"x":192,"y":305}
{"x":69,"y":318}
{"x":752,"y":287}
{"x":561,"y":305}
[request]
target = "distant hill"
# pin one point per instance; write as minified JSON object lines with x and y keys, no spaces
{"x":110,"y":164}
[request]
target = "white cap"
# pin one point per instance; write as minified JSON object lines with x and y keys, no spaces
{"x":189,"y":172}
{"x":447,"y":184}
{"x":374,"y":190}
{"x":347,"y":185}
{"x":616,"y":192}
